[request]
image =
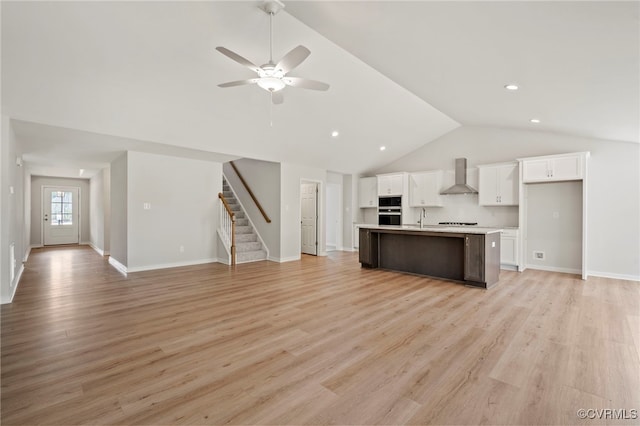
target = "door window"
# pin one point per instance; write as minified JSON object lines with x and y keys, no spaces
{"x":61,"y":208}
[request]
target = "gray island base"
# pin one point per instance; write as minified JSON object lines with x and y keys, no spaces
{"x":467,"y":255}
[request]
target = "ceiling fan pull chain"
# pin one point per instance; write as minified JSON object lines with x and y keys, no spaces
{"x":271,"y":110}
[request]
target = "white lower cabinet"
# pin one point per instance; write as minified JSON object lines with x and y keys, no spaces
{"x":509,"y":258}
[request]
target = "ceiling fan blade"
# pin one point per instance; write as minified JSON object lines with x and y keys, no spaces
{"x":305,"y":83}
{"x":239,"y":82}
{"x":277,"y":97}
{"x":293,"y":59}
{"x":239,"y":59}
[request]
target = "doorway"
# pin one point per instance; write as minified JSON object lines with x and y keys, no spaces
{"x":309,"y":218}
{"x":60,"y":217}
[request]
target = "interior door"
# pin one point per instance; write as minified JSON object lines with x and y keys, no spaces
{"x":309,"y":218}
{"x":60,"y":215}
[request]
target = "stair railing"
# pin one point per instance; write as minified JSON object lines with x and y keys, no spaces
{"x":228,"y":227}
{"x":253,"y":197}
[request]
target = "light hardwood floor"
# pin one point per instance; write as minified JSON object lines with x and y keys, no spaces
{"x":319,"y":341}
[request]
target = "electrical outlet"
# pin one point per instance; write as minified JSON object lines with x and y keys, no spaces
{"x":538,"y":255}
{"x":146,"y":206}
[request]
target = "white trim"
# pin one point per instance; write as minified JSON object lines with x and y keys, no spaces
{"x":14,"y":285}
{"x":614,"y":276}
{"x":556,"y":269}
{"x":119,"y":266}
{"x":508,"y":267}
{"x":97,"y":250}
{"x":284,"y":259}
{"x":26,"y":254}
{"x":224,"y":261}
{"x":171,"y":265}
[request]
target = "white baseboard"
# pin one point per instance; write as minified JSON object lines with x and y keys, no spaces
{"x":119,"y":266}
{"x":225,"y":261}
{"x":26,"y":254}
{"x":613,"y":275}
{"x":284,"y":259}
{"x":97,"y":249}
{"x":170,"y":265}
{"x":16,"y":282}
{"x":555,"y":269}
{"x":506,"y":267}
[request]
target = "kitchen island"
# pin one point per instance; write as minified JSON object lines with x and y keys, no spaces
{"x":466,"y":254}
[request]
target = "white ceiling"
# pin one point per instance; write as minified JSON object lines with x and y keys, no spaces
{"x":88,"y":80}
{"x":577,"y":63}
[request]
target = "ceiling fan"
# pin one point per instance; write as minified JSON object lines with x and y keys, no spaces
{"x":272,"y":77}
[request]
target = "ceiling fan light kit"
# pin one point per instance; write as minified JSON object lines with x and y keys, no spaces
{"x":272,"y":77}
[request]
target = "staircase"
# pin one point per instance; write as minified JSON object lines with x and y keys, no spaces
{"x":248,"y":246}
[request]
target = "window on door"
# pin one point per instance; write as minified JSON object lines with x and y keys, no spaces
{"x":61,"y":208}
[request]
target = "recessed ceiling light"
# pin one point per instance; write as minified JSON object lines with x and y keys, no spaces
{"x":534,"y":120}
{"x":382,"y":148}
{"x":511,"y":87}
{"x":335,"y":134}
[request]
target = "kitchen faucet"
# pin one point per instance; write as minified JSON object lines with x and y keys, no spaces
{"x":423,"y":216}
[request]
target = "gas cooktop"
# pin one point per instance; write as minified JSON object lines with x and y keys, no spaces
{"x":458,"y":223}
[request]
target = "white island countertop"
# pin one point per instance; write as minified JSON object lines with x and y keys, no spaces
{"x":435,"y":228}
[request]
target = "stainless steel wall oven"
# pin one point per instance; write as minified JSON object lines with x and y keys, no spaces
{"x":390,"y":211}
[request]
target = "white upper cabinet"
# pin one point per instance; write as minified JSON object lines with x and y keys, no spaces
{"x":424,"y":189}
{"x":554,"y":168}
{"x":392,"y":184}
{"x":498,"y":185}
{"x":368,"y":192}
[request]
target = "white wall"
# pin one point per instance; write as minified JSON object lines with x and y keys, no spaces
{"x":11,"y":212}
{"x":613,"y":191}
{"x":554,"y":226}
{"x":118,"y":232}
{"x":291,"y":177}
{"x":349,"y":209}
{"x":334,"y":211}
{"x":99,"y":210}
{"x":180,"y":227}
{"x":37,"y":185}
{"x":264,"y":179}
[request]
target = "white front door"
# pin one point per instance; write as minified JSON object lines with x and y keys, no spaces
{"x":309,"y":217}
{"x":60,"y":215}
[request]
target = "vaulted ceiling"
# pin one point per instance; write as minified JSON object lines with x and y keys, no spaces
{"x":110,"y":76}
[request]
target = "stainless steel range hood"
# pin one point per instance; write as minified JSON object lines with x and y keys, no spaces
{"x":461,"y":186}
